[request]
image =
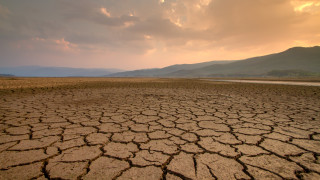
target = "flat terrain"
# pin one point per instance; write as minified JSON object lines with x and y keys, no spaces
{"x":99,"y":128}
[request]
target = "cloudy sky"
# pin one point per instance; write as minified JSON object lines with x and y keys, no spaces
{"x":132,"y":34}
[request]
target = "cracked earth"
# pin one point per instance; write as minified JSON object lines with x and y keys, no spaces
{"x":159,"y":129}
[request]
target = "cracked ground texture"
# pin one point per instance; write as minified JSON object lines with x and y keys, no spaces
{"x":98,"y":128}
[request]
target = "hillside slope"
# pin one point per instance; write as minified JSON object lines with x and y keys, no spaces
{"x":298,"y":58}
{"x":162,"y":72}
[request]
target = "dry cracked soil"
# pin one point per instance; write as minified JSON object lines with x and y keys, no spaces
{"x":172,"y":129}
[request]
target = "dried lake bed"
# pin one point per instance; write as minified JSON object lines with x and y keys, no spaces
{"x":152,"y":128}
{"x":295,"y":83}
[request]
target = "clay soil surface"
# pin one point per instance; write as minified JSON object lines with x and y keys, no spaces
{"x":100,"y":128}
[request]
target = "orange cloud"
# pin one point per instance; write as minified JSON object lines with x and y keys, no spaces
{"x":306,"y":5}
{"x":105,"y":12}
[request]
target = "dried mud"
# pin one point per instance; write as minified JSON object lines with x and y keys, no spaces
{"x":82,"y":128}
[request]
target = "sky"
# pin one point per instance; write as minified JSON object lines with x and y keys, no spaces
{"x":135,"y":34}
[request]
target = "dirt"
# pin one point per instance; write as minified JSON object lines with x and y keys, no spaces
{"x":99,"y":128}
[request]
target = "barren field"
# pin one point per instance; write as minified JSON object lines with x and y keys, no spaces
{"x":100,"y":128}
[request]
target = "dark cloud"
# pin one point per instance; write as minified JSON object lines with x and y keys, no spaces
{"x":150,"y":29}
{"x":93,"y":12}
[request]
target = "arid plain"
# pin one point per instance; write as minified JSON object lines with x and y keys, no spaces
{"x":117,"y":128}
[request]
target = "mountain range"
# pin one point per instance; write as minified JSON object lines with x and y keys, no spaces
{"x":39,"y":71}
{"x":166,"y":71}
{"x":297,"y":61}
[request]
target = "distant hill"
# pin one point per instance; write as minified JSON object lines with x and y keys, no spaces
{"x":38,"y":71}
{"x":297,"y":61}
{"x":162,"y":72}
{"x":6,"y":75}
{"x":298,"y":58}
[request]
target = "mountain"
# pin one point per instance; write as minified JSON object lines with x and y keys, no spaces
{"x":6,"y":75}
{"x":297,"y":61}
{"x":293,"y":59}
{"x":163,"y":72}
{"x":38,"y":71}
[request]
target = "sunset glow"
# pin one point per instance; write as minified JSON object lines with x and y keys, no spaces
{"x":303,"y":6}
{"x":105,"y":12}
{"x":134,"y":34}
